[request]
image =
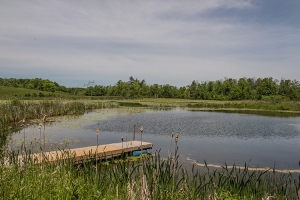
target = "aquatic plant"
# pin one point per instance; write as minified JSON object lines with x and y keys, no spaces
{"x":150,"y":178}
{"x":15,"y":111}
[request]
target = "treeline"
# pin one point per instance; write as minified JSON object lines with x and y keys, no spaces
{"x":38,"y":84}
{"x":228,"y":89}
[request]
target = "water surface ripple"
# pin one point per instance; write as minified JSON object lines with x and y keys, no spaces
{"x":216,"y":137}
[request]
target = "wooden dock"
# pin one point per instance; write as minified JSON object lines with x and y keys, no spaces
{"x":83,"y":154}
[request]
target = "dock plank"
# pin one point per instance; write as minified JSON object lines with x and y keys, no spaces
{"x":86,"y":153}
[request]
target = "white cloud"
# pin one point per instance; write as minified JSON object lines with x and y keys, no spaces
{"x":161,"y":41}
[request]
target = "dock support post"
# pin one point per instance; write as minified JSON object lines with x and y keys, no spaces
{"x":133,"y":132}
{"x":141,"y":129}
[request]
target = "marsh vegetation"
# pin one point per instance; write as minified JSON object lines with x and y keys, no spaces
{"x":152,"y":178}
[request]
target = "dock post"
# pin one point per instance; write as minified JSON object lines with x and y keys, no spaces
{"x":141,"y":129}
{"x":134,"y":133}
{"x":122,"y":143}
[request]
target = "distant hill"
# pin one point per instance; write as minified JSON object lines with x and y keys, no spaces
{"x":9,"y":92}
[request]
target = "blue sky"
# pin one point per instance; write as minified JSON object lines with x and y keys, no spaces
{"x":164,"y":42}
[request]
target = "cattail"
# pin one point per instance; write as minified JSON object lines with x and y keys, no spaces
{"x":170,"y":151}
{"x":176,"y":137}
{"x":44,"y":118}
{"x":22,"y":121}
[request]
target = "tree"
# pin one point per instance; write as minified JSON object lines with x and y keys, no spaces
{"x":48,"y":86}
{"x":193,"y":90}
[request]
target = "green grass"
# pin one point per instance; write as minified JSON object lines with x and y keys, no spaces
{"x":15,"y":112}
{"x":151,"y":178}
{"x":23,"y":93}
{"x":260,"y":105}
{"x":281,"y":106}
{"x":131,"y":104}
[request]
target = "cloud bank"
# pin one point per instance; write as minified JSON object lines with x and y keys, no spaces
{"x":165,"y":42}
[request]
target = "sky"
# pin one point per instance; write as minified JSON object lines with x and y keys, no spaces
{"x":171,"y":42}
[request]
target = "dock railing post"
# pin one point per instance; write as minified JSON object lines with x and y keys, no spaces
{"x":122,"y":143}
{"x":141,"y":129}
{"x":97,"y":133}
{"x":134,"y":132}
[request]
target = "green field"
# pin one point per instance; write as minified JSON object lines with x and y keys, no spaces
{"x":22,"y":93}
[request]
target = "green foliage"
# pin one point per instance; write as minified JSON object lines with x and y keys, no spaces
{"x":37,"y":84}
{"x":48,"y":86}
{"x":228,"y":89}
{"x":150,"y":178}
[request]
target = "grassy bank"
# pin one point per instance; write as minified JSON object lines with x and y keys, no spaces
{"x":153,"y":178}
{"x":15,"y":113}
{"x":260,"y":105}
{"x":274,"y":106}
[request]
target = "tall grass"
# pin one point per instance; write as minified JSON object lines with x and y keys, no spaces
{"x":283,"y":106}
{"x":15,"y":112}
{"x":152,"y":178}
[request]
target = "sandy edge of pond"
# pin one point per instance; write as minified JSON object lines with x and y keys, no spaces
{"x":242,"y":167}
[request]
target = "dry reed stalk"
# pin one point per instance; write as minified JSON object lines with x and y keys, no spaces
{"x":154,"y":181}
{"x":145,"y":189}
{"x":40,"y":127}
{"x":117,"y":192}
{"x":170,"y":151}
{"x":174,"y":162}
{"x":131,"y":193}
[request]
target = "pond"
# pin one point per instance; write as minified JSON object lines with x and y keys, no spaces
{"x":214,"y":137}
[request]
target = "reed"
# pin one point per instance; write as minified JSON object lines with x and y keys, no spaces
{"x":251,"y":105}
{"x":14,"y":112}
{"x":151,"y":178}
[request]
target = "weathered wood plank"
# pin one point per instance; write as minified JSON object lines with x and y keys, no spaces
{"x":87,"y":153}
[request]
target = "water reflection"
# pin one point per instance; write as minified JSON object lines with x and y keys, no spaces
{"x":216,"y":137}
{"x":259,"y":112}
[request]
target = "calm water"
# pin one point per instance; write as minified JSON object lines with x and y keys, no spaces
{"x":215,"y":137}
